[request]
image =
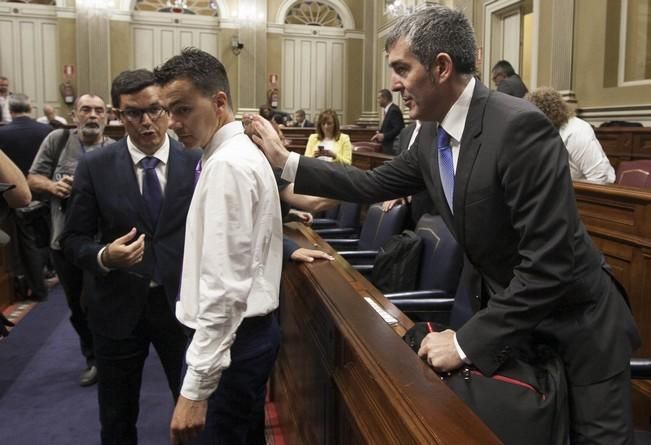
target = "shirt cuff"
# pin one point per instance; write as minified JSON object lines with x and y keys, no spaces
{"x":195,"y":387}
{"x":99,"y":260}
{"x":290,"y":168}
{"x":462,"y":354}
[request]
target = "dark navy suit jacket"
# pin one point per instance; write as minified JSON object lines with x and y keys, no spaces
{"x":21,"y":138}
{"x":106,"y":200}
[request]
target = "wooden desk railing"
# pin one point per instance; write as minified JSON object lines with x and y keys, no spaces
{"x":619,"y":221}
{"x":625,"y":143}
{"x":344,"y":376}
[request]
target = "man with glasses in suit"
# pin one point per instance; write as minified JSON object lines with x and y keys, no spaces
{"x":136,"y":194}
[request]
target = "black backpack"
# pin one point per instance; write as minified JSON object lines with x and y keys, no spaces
{"x":397,"y":263}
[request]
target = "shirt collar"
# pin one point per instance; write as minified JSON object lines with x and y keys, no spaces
{"x":226,"y":132}
{"x":386,"y":109}
{"x":162,"y":154}
{"x":455,"y":121}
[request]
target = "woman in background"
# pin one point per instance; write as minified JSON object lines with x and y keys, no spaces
{"x":588,"y":162}
{"x":329,"y":143}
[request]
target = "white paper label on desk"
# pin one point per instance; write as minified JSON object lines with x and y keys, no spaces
{"x":390,"y":319}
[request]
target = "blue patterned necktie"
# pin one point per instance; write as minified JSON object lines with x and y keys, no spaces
{"x":151,"y":190}
{"x":446,"y":165}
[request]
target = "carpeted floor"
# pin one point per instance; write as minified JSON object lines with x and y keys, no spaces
{"x":41,"y":401}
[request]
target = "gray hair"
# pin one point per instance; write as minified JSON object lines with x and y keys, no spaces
{"x":19,"y":104}
{"x":433,"y":30}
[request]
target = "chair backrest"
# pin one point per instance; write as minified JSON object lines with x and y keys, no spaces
{"x":331,"y":213}
{"x":634,"y":173}
{"x":348,"y":215}
{"x":442,"y":259}
{"x":379,"y":226}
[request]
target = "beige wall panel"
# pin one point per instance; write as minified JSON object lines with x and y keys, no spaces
{"x":290,"y":92}
{"x":121,"y":47}
{"x":167,"y":49}
{"x":595,"y":55}
{"x":305,"y":75}
{"x":320,"y":64}
{"x":337,"y":67}
{"x":186,"y":39}
{"x":7,"y":52}
{"x":50,"y":68}
{"x":357,"y":10}
{"x":143,"y":48}
{"x":29,"y":66}
{"x":545,"y":44}
{"x":208,"y":42}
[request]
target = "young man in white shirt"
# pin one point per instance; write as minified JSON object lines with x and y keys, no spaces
{"x":231,"y":263}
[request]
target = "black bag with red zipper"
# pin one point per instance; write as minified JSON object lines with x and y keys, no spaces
{"x":524,"y":402}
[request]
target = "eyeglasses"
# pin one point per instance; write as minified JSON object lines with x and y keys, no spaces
{"x":135,"y":114}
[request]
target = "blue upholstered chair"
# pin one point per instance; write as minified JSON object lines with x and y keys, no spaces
{"x":376,"y":230}
{"x":346,"y":221}
{"x":440,"y":268}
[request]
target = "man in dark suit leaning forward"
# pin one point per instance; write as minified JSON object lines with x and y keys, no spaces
{"x":136,"y":195}
{"x":497,"y":172}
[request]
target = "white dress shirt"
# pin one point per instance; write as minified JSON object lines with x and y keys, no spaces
{"x":588,"y":162}
{"x":414,"y":134}
{"x":6,"y":114}
{"x":233,"y":254}
{"x":453,"y":123}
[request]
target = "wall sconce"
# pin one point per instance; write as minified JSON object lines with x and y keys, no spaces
{"x":236,"y":45}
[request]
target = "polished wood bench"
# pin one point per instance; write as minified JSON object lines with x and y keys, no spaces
{"x":344,"y":376}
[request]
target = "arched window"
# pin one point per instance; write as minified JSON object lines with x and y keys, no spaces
{"x":198,"y":7}
{"x":313,"y":13}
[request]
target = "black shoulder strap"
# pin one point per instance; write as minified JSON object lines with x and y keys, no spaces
{"x":61,"y":145}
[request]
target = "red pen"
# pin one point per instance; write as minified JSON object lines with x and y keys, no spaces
{"x":429,"y":327}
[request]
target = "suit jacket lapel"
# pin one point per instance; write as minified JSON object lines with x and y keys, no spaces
{"x":470,"y":146}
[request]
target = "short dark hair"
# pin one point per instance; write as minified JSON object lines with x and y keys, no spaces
{"x":433,"y":30}
{"x":19,"y":103}
{"x":386,"y":94}
{"x":203,"y":70}
{"x":128,"y":82}
{"x":505,"y":67}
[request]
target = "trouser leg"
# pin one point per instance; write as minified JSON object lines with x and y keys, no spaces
{"x":165,"y":333}
{"x":236,"y":409}
{"x":601,"y":413}
{"x":32,"y":259}
{"x":72,"y":281}
{"x":119,"y":370}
